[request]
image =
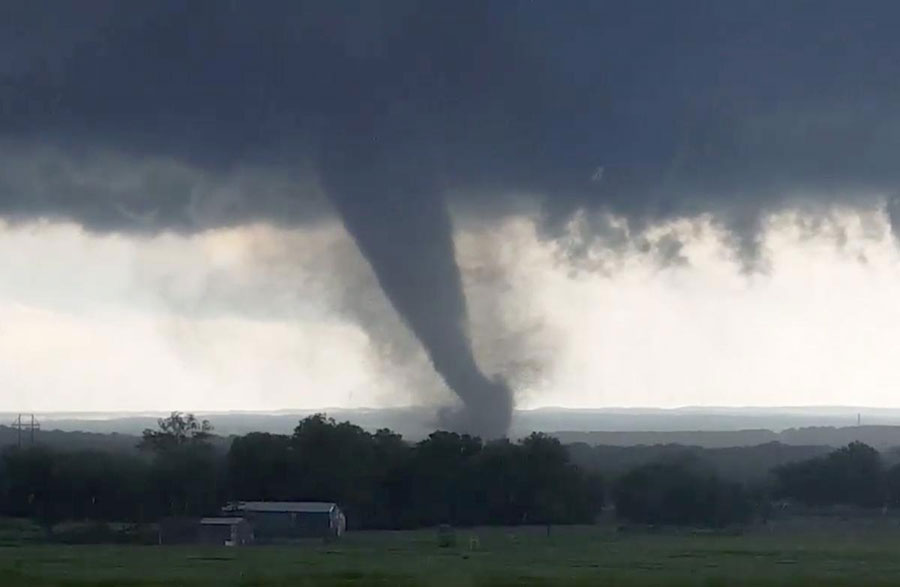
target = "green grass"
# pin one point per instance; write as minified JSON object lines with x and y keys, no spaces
{"x":578,"y":556}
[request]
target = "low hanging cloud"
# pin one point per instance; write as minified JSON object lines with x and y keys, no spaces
{"x":734,"y":112}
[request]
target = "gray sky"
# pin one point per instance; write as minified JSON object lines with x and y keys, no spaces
{"x":306,"y":203}
{"x":118,"y":322}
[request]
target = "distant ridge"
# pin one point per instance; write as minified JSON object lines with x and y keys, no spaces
{"x":880,"y":437}
{"x":700,"y":426}
{"x":416,"y":422}
{"x":72,"y":440}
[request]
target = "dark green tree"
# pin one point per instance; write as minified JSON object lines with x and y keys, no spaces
{"x":175,"y":431}
{"x":185,"y":475}
{"x":259,"y":467}
{"x":680,"y":494}
{"x":852,"y":475}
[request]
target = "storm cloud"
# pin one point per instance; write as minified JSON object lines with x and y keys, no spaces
{"x":402,"y":111}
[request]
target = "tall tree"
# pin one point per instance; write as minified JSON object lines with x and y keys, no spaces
{"x":176,"y":430}
{"x":185,"y":472}
{"x":259,"y":467}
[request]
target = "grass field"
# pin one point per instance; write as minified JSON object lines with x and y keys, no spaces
{"x":573,"y":556}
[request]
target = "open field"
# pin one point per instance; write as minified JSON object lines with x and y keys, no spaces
{"x":504,"y":557}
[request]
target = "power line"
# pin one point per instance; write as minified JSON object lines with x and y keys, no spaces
{"x":30,"y":424}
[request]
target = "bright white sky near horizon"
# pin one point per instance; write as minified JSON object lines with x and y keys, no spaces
{"x":251,"y":318}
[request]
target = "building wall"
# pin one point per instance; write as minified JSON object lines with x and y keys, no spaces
{"x":219,"y":534}
{"x":179,"y":530}
{"x":270,"y":525}
{"x":192,"y":531}
{"x":214,"y":535}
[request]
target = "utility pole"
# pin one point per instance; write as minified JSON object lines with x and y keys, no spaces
{"x":32,"y":426}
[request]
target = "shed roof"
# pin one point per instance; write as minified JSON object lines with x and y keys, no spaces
{"x":309,"y":507}
{"x":221,"y":521}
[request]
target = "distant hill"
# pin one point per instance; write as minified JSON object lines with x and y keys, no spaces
{"x":74,"y":441}
{"x":79,"y":441}
{"x":880,"y":437}
{"x":747,"y":464}
{"x":756,"y":425}
{"x":691,"y":419}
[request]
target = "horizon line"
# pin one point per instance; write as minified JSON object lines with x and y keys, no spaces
{"x":327,"y":410}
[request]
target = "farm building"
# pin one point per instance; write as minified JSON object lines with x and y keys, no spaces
{"x":272,"y":520}
{"x":231,"y":531}
{"x":178,"y":530}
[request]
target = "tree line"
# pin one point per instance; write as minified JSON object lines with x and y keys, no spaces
{"x":854,"y":475}
{"x":379,"y":480}
{"x":382,"y":481}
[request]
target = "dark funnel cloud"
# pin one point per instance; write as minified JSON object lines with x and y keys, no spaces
{"x":407,"y":109}
{"x":401,"y":224}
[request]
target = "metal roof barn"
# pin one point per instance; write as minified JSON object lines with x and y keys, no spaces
{"x":279,"y":520}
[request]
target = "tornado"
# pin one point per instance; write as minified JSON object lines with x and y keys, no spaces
{"x":391,"y":205}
